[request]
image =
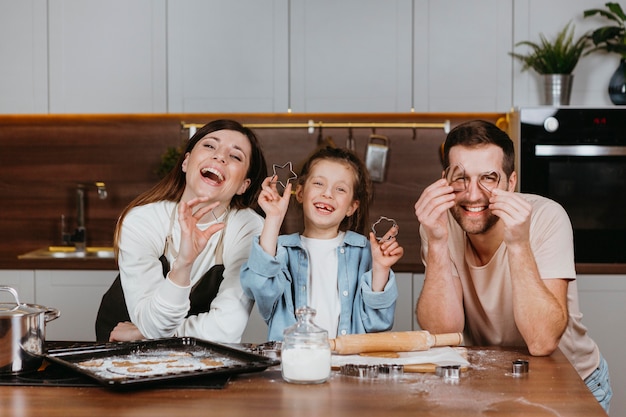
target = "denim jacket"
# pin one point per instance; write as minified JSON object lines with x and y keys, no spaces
{"x":279,"y":285}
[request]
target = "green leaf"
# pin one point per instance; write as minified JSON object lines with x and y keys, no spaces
{"x":616,"y":9}
{"x":611,"y":38}
{"x":558,"y":57}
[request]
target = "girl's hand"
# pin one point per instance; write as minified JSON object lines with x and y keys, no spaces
{"x":384,"y":255}
{"x":272,"y":203}
{"x":275,"y":207}
{"x":387,"y":251}
{"x":192,"y":239}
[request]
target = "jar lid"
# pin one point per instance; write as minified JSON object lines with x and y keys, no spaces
{"x":305,"y":325}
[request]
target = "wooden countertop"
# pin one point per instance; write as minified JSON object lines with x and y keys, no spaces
{"x":551,"y":388}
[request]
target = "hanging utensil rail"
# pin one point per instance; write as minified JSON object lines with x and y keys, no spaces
{"x":311,"y":125}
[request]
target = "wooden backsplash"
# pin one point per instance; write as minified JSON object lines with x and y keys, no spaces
{"x":44,"y":157}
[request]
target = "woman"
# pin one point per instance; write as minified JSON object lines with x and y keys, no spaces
{"x":200,"y":209}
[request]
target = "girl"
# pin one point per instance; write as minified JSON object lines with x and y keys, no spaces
{"x":200,"y":212}
{"x":330,"y":267}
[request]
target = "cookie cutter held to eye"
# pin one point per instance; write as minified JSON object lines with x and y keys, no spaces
{"x":382,"y":219}
{"x":457,"y":179}
{"x":292,"y":174}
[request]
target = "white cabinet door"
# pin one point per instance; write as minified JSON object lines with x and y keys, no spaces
{"x":77,"y":294}
{"x":256,"y":330}
{"x":23,"y":281}
{"x":418,"y":283}
{"x":350,"y":56}
{"x":23,"y":67}
{"x":461,"y":55}
{"x":603,"y":304}
{"x":227,"y":56}
{"x":107,"y":56}
{"x":405,"y":307}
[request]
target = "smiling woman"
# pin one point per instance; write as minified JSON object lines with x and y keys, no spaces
{"x":194,"y":228}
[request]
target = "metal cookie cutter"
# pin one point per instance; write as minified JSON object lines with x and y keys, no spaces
{"x":520,"y":367}
{"x":270,"y":349}
{"x":449,"y":371}
{"x":372,"y":371}
{"x":361,"y":371}
{"x":292,"y":175}
{"x":385,"y":220}
{"x":390,"y":371}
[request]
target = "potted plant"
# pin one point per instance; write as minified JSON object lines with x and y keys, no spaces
{"x":555,"y":62}
{"x":612,"y":39}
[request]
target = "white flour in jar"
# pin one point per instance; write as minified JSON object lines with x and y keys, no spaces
{"x":305,"y":365}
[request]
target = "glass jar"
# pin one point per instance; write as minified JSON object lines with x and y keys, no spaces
{"x":305,"y":356}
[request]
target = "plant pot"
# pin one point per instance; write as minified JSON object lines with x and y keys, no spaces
{"x":617,"y":84}
{"x":557,"y":89}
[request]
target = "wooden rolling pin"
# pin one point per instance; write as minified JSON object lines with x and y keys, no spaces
{"x":392,"y":342}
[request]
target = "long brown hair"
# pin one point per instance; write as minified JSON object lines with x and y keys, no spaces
{"x":358,"y":222}
{"x":172,"y":186}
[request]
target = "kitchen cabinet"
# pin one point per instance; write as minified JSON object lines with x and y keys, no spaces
{"x":23,"y":69}
{"x":23,"y":281}
{"x":228,"y":56}
{"x":351,"y":56}
{"x":77,"y":294}
{"x":107,"y":57}
{"x":460,"y":58}
{"x":266,"y":56}
{"x":603,"y":304}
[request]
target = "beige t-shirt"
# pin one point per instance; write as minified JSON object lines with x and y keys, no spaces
{"x":487,"y":292}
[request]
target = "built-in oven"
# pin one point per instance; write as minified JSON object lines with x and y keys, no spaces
{"x":577,"y":156}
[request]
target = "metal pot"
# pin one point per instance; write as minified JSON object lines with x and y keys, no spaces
{"x":22,"y":334}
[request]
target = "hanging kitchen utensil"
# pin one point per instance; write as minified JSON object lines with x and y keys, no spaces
{"x":350,"y":144}
{"x":376,"y":157}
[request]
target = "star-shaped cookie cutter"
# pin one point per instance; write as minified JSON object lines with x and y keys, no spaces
{"x":394,"y":225}
{"x":292,"y":175}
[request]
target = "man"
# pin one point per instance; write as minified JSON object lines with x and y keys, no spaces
{"x":500,"y":264}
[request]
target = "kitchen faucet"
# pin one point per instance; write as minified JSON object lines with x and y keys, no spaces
{"x":79,"y":237}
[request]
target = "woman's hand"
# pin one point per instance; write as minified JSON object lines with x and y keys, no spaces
{"x":125,"y":332}
{"x":192,"y":239}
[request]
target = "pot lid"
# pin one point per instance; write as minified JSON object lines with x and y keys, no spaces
{"x":17,"y":310}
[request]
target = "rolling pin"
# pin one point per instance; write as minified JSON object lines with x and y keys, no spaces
{"x":392,"y":342}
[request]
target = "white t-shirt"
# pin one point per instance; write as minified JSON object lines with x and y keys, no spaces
{"x":323,"y":291}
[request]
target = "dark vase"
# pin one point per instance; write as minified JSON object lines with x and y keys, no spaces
{"x":617,"y":85}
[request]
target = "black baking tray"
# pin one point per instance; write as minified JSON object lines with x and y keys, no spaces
{"x":156,"y":356}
